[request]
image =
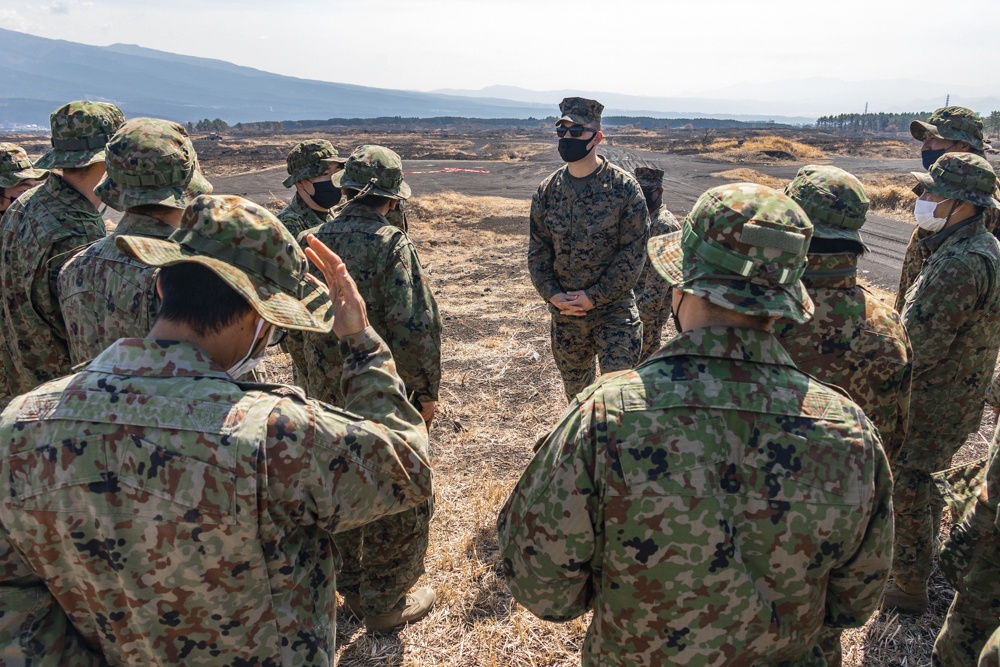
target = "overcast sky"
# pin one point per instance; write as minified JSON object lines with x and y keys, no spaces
{"x":661,"y":47}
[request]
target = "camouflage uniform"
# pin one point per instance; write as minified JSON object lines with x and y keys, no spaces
{"x":104,"y":294}
{"x":593,"y":241}
{"x":382,"y":561}
{"x":652,"y":295}
{"x":715,"y":506}
{"x":952,"y":315}
{"x":15,"y":168}
{"x":990,"y":657}
{"x":954,"y":124}
{"x":38,"y":233}
{"x":179,"y":517}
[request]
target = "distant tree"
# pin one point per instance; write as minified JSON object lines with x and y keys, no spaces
{"x":993,"y":124}
{"x":190,"y":127}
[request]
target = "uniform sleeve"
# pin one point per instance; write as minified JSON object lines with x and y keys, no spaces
{"x":855,"y":586}
{"x":547,"y":526}
{"x":339,"y":469}
{"x":622,"y":274}
{"x":897,"y":407}
{"x":412,"y":323}
{"x":34,"y":629}
{"x":945,"y":298}
{"x":541,"y":252}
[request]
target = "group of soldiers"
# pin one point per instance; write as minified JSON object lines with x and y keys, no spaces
{"x":726,"y":498}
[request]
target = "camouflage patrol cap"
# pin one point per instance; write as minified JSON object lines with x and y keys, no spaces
{"x":246,"y":246}
{"x":80,"y":131}
{"x":954,"y":124}
{"x":580,"y":110}
{"x":962,"y":176}
{"x":310,"y":159}
{"x":650,"y":178}
{"x":373,"y":170}
{"x":151,"y":161}
{"x":834,"y":200}
{"x":742,"y":247}
{"x":15,"y":166}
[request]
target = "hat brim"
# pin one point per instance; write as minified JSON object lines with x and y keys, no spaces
{"x":928,"y":183}
{"x":339,"y":181}
{"x":121,"y":198}
{"x":748,"y":297}
{"x":919,"y":128}
{"x":11,"y":179}
{"x":70,"y":159}
{"x":312,"y":313}
{"x":312,"y":171}
{"x":824,"y":231}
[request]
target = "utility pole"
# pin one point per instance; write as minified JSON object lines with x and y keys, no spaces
{"x":947,"y":100}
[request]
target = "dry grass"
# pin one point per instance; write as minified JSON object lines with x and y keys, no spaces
{"x":745,"y":175}
{"x":891,"y":194}
{"x":761,"y":148}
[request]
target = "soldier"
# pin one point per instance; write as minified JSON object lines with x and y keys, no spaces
{"x":990,"y":657}
{"x":970,"y":560}
{"x":310,"y":165}
{"x":383,"y":560}
{"x":652,"y":296}
{"x":948,"y":130}
{"x":952,"y":315}
{"x":176,"y":516}
{"x":38,"y":232}
{"x":17,"y":176}
{"x":104,"y":294}
{"x":716,"y":504}
{"x":588,"y":236}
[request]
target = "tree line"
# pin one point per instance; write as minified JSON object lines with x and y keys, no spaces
{"x":890,"y":122}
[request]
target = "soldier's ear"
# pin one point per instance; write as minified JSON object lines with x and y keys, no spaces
{"x":159,"y":286}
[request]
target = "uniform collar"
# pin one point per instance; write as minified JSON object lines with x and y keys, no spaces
{"x":833,"y":271}
{"x":136,"y":224}
{"x":301,"y":208}
{"x":736,"y":343}
{"x":63,"y":192}
{"x":952,"y":235}
{"x":355,"y":210}
{"x":147,"y":357}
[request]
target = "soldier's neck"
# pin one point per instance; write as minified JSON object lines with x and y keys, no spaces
{"x":586,"y":166}
{"x":84,"y":182}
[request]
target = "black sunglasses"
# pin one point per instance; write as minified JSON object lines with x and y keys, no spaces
{"x":575,"y":131}
{"x":277,"y":335}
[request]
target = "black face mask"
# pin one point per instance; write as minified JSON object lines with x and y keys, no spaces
{"x":654,"y":198}
{"x":327,"y":196}
{"x":930,"y":157}
{"x":572,"y":150}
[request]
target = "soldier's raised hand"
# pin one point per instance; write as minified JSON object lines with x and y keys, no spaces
{"x":349,"y":313}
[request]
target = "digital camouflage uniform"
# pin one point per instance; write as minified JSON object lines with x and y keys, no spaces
{"x":955,"y":124}
{"x":952,"y":315}
{"x":383,"y":560}
{"x":853,"y":341}
{"x":970,"y":560}
{"x":593,"y":241}
{"x":652,"y":295}
{"x":179,"y":517}
{"x":38,"y":233}
{"x":715,"y":506}
{"x":104,"y":294}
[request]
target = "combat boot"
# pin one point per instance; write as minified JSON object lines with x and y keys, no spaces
{"x":906,"y":598}
{"x":413,"y":607}
{"x":352,"y":606}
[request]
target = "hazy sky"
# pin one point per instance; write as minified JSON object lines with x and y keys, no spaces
{"x":662,"y":47}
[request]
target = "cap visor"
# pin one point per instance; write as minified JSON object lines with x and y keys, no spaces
{"x":314,"y":312}
{"x":576,"y":120}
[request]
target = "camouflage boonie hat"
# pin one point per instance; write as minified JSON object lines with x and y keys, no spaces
{"x":834,"y":200}
{"x":743,"y":247}
{"x":580,"y":111}
{"x":151,"y":161}
{"x":80,"y":130}
{"x":650,"y":178}
{"x":15,"y":166}
{"x":309,"y":159}
{"x":962,"y":176}
{"x":954,"y":124}
{"x":249,"y":248}
{"x":373,"y":170}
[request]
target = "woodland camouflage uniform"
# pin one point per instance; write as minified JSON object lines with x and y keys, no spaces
{"x":715,"y":476}
{"x":955,"y":124}
{"x":594,"y":241}
{"x":952,"y":315}
{"x":105,"y":294}
{"x":652,"y":295}
{"x":39,"y":232}
{"x":384,"y":559}
{"x":176,"y":516}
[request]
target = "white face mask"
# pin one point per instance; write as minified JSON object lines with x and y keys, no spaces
{"x":923,"y":211}
{"x":247,"y":363}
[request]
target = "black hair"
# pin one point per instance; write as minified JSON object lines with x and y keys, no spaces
{"x":819,"y":246}
{"x":375,"y":201}
{"x":195,"y":296}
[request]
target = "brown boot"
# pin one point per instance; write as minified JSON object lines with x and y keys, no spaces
{"x":352,"y":606}
{"x":413,"y":607}
{"x":905,"y":598}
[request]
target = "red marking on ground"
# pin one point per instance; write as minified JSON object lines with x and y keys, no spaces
{"x":450,"y":170}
